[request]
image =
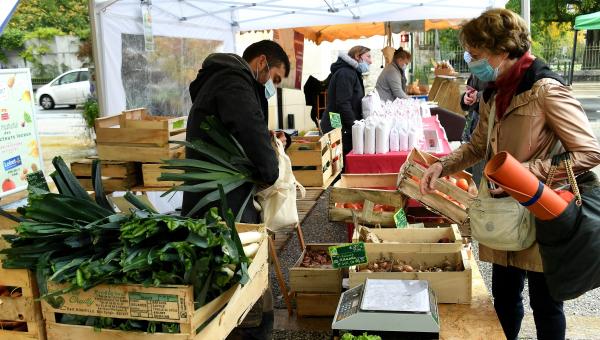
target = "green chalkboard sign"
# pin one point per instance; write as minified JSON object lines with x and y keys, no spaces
{"x":400,"y":219}
{"x":335,"y":119}
{"x":348,"y":255}
{"x":37,"y":180}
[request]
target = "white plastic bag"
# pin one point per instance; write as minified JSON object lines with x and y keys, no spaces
{"x":358,"y":137}
{"x":278,"y":202}
{"x":370,"y":103}
{"x":382,"y":137}
{"x":394,"y":140}
{"x":370,"y":137}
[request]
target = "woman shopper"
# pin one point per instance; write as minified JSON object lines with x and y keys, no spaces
{"x":534,"y":110}
{"x":391,"y":83}
{"x":346,"y":90}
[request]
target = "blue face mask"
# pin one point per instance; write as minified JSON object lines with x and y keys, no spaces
{"x":481,"y":68}
{"x":363,"y":67}
{"x":270,"y":89}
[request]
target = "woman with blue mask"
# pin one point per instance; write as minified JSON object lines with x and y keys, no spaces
{"x":533,"y":116}
{"x":391,"y":83}
{"x":346,"y":90}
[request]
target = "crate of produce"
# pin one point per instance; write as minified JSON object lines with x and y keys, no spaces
{"x":164,"y":304}
{"x":316,"y":304}
{"x":373,"y":198}
{"x":20,"y":314}
{"x":452,"y":192}
{"x":136,"y":136}
{"x":151,"y":172}
{"x":116,"y":175}
{"x":314,"y":273}
{"x":317,"y":160}
{"x":449,"y":274}
{"x":438,"y":240}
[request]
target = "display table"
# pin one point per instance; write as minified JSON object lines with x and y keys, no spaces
{"x":477,"y":320}
{"x":392,"y":161}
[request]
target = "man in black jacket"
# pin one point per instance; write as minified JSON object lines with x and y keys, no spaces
{"x":235,"y":90}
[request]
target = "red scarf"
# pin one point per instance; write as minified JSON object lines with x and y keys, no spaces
{"x":506,"y":86}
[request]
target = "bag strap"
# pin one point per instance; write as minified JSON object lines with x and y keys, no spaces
{"x":483,"y":190}
{"x":566,"y":158}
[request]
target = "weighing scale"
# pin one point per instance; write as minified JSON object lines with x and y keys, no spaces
{"x":388,"y":306}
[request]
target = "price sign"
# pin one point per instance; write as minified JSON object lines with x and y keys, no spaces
{"x":335,"y":119}
{"x":348,"y":255}
{"x":400,"y":219}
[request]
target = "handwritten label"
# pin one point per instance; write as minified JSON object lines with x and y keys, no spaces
{"x":348,"y":255}
{"x":335,"y":119}
{"x":400,"y":219}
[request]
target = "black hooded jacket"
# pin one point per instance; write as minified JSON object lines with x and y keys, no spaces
{"x":225,"y":87}
{"x":344,"y":96}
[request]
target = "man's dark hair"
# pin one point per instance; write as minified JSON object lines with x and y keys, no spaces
{"x":274,"y":53}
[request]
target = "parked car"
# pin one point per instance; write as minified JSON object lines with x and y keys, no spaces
{"x":70,"y":88}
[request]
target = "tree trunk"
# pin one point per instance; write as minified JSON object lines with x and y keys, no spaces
{"x":591,"y":54}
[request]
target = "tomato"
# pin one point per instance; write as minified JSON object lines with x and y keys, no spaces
{"x":358,"y":206}
{"x":389,"y":208}
{"x":463,"y":184}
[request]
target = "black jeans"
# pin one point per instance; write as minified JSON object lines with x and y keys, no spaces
{"x":507,"y":286}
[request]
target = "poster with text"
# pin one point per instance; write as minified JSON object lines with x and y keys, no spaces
{"x":19,"y":144}
{"x":293,"y":44}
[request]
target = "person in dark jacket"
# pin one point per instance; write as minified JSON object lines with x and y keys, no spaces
{"x":391,"y":83}
{"x":346,"y":91}
{"x":235,"y":90}
{"x":469,"y":102}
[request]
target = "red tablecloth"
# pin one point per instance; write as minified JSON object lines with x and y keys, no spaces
{"x":392,"y":161}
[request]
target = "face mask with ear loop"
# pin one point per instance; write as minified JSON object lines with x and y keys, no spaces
{"x":482,"y":69}
{"x":270,"y":89}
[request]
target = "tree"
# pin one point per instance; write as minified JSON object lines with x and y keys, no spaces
{"x":69,"y":16}
{"x":562,"y":12}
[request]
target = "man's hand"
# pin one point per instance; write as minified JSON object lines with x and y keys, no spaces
{"x":279,"y":135}
{"x":429,"y":177}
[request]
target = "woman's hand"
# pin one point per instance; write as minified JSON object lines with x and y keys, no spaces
{"x":429,"y":177}
{"x":470,"y":97}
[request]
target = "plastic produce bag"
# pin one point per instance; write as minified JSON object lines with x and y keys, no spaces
{"x":394,"y":140}
{"x":382,"y":137}
{"x":358,"y":137}
{"x":370,"y":104}
{"x":370,"y":138}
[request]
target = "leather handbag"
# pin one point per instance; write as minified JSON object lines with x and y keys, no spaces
{"x":499,"y":223}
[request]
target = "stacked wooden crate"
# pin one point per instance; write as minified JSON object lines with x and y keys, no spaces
{"x":317,"y":289}
{"x":420,"y":249}
{"x":376,"y":193}
{"x":317,"y":160}
{"x":171,"y":304}
{"x":116,"y":175}
{"x":20,"y":312}
{"x":450,"y":200}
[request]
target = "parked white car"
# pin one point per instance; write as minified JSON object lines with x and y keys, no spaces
{"x":70,"y":88}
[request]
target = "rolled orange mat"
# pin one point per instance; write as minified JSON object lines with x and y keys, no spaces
{"x":504,"y":170}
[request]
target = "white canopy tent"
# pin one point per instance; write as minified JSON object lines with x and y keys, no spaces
{"x":222,"y":20}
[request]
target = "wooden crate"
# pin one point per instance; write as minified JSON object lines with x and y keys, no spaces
{"x":24,"y":308}
{"x":359,"y":188}
{"x":414,"y":167}
{"x":449,"y":287}
{"x":151,"y":172}
{"x":416,"y":239}
{"x":170,"y":304}
{"x":323,"y":154}
{"x":136,"y":136}
{"x":315,"y":280}
{"x":116,"y":175}
{"x":316,"y":304}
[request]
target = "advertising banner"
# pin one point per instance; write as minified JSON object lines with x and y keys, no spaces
{"x":293,"y":44}
{"x":19,"y":144}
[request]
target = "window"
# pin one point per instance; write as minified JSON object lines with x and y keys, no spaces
{"x":68,"y":78}
{"x":84,"y":76}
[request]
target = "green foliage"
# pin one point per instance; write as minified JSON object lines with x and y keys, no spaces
{"x":90,"y":112}
{"x":68,"y":16}
{"x":12,"y":39}
{"x":44,"y":33}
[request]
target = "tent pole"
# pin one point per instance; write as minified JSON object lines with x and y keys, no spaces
{"x":98,"y":66}
{"x":573,"y":58}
